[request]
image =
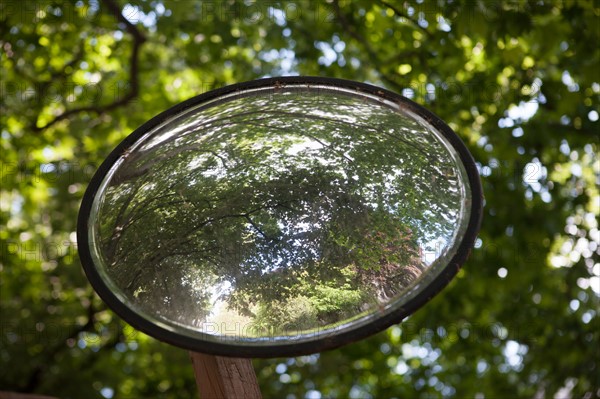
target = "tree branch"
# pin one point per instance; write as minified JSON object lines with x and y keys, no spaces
{"x":138,"y":40}
{"x":402,"y":14}
{"x":257,"y":228}
{"x":36,"y":376}
{"x":373,"y":57}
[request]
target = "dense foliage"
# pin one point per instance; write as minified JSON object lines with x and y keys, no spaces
{"x":517,"y":80}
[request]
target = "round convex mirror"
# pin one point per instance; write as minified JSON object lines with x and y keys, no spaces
{"x":279,"y":217}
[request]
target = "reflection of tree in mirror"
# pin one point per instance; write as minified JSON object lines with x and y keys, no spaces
{"x":294,"y":210}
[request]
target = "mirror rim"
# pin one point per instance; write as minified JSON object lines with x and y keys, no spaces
{"x":324,"y":341}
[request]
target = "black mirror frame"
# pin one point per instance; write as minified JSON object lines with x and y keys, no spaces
{"x":324,"y":341}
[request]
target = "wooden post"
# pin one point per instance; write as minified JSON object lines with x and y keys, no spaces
{"x":225,"y":377}
{"x":15,"y":395}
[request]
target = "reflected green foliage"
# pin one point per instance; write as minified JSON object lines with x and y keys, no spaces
{"x":312,"y":205}
{"x":517,"y":80}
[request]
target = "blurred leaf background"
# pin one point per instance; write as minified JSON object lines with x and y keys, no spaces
{"x":519,"y":82}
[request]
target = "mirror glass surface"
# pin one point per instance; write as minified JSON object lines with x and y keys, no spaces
{"x":279,"y":214}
